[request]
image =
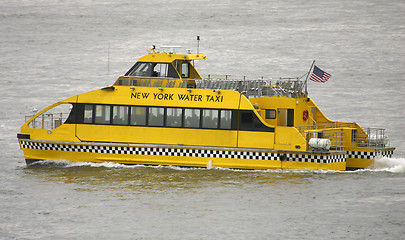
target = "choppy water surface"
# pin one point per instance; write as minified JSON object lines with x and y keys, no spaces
{"x":51,"y":50}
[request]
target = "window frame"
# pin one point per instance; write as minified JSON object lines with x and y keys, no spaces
{"x":145,"y":120}
{"x":104,"y":121}
{"x":126,"y":115}
{"x":181,"y":117}
{"x":206,"y":110}
{"x":199,"y":118}
{"x":162,"y":115}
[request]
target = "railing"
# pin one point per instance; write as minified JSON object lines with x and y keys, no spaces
{"x":373,"y":137}
{"x":255,"y":87}
{"x":332,"y":131}
{"x":369,"y":138}
{"x":336,"y":137}
{"x":327,"y":126}
{"x":47,"y":120}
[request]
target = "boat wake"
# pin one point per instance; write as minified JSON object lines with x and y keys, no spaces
{"x":396,"y":165}
{"x":384,"y":164}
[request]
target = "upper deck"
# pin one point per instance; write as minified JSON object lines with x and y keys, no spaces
{"x":167,"y":69}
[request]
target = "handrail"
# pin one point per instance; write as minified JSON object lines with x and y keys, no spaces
{"x":47,"y":120}
{"x":332,"y":131}
{"x":369,"y":138}
{"x":254,"y":87}
{"x":336,"y":137}
{"x":326,"y":126}
{"x":373,"y":137}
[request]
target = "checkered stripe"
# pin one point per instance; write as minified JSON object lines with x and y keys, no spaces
{"x":387,"y":153}
{"x":369,"y":155}
{"x":362,"y":155}
{"x":185,"y":152}
{"x":316,"y":158}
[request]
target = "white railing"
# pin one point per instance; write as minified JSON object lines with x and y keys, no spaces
{"x":250,"y":87}
{"x":336,"y":137}
{"x":47,"y":120}
{"x":373,"y":137}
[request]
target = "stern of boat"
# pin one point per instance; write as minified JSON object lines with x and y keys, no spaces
{"x":361,"y":146}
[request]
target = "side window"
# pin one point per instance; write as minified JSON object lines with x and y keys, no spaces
{"x":248,"y":121}
{"x":88,"y":114}
{"x":103,"y":114}
{"x":226,"y":119}
{"x":174,"y":117}
{"x":192,"y":118}
{"x":210,"y":118}
{"x":156,"y":116}
{"x":270,"y":114}
{"x":120,"y":115}
{"x":247,"y":117}
{"x":138,"y":116}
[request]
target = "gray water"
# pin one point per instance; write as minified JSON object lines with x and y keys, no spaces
{"x":51,"y":50}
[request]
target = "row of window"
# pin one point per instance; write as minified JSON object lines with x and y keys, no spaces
{"x":177,"y":117}
{"x":157,"y":116}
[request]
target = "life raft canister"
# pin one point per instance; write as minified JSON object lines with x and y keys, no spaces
{"x":305,"y":115}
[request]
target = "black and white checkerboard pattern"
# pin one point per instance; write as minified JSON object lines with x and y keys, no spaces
{"x":316,"y":158}
{"x":185,"y":152}
{"x":369,"y":155}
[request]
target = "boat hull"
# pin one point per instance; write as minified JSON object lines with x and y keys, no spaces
{"x":180,"y":155}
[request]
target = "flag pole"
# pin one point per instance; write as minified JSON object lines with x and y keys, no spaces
{"x":306,"y":79}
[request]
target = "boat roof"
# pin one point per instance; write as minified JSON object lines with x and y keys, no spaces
{"x":170,"y":56}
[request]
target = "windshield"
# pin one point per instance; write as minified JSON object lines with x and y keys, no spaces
{"x":148,"y":69}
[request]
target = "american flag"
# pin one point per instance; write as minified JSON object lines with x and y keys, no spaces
{"x":319,"y":76}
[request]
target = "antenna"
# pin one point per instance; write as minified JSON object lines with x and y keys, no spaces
{"x":108,"y":63}
{"x":198,"y":44}
{"x":108,"y":59}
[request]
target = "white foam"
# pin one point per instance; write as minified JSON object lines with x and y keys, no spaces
{"x":396,"y":165}
{"x":389,"y":164}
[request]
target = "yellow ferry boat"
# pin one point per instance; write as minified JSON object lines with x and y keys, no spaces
{"x":162,"y":112}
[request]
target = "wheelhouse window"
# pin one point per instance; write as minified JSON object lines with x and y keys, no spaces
{"x":148,"y":69}
{"x":174,"y":117}
{"x":160,"y":70}
{"x":120,"y":115}
{"x":210,"y":118}
{"x":103,"y":114}
{"x":138,"y":116}
{"x":141,"y":69}
{"x":156,"y":116}
{"x":191,"y":118}
{"x":185,"y":72}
